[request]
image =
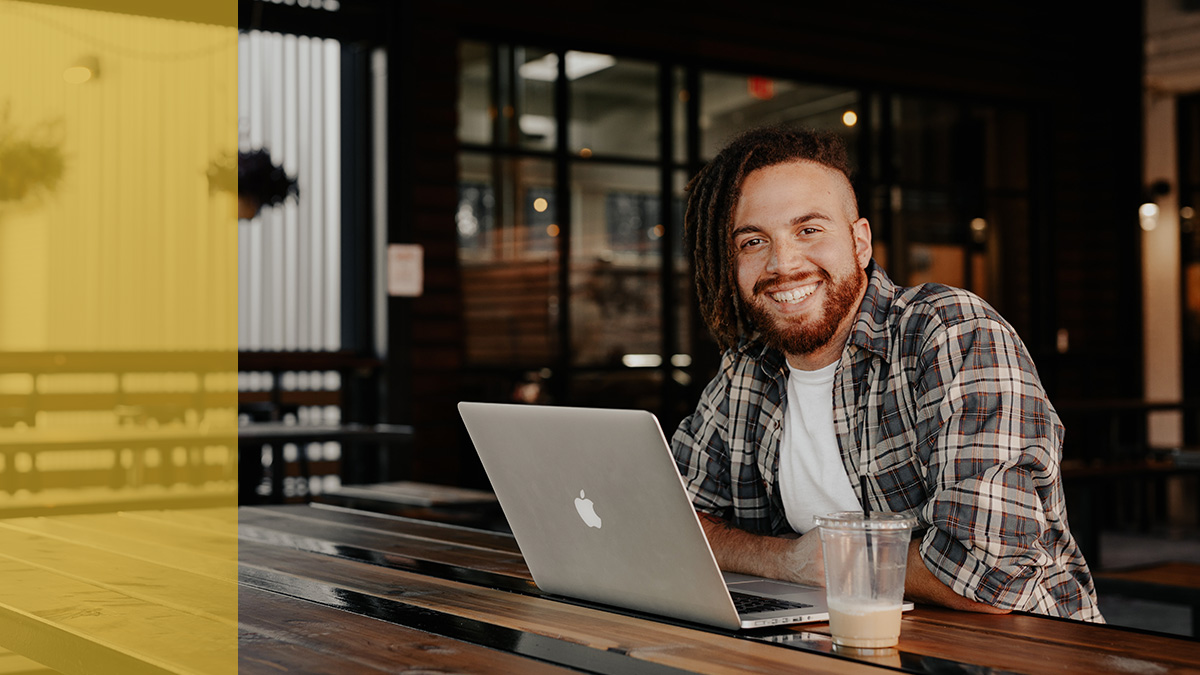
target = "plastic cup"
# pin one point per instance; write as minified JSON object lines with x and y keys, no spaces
{"x":865,"y":560}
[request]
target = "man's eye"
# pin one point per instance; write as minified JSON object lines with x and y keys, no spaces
{"x":751,"y":243}
{"x":809,"y":230}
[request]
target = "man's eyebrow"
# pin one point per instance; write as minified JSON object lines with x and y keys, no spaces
{"x":811,"y":215}
{"x":746,"y":229}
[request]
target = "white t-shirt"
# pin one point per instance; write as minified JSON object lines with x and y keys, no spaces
{"x":812,"y":478}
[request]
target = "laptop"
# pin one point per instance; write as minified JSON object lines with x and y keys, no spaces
{"x":597,"y":506}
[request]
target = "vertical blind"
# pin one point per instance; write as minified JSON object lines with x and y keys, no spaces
{"x":289,"y":254}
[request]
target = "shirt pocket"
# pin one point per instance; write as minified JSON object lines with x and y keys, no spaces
{"x":900,"y":480}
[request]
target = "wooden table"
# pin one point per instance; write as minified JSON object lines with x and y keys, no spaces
{"x":122,"y":593}
{"x":327,"y":589}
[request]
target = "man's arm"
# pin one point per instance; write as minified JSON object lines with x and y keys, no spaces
{"x":799,"y":559}
{"x":921,"y":586}
{"x":796,"y":559}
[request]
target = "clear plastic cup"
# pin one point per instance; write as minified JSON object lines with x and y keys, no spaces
{"x":865,"y":561}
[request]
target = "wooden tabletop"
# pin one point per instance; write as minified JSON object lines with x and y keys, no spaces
{"x":327,"y":588}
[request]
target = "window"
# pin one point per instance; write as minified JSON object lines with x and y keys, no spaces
{"x":571,"y":199}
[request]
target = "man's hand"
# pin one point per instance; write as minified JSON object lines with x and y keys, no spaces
{"x":799,"y":559}
{"x":796,"y":559}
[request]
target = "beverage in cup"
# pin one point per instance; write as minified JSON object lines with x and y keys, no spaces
{"x":866,"y":557}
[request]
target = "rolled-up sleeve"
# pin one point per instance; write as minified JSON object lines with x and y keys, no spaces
{"x":990,"y":441}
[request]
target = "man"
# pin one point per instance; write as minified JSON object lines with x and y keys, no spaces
{"x":838,"y":388}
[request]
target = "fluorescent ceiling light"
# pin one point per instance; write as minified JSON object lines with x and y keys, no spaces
{"x":536,"y":125}
{"x":641,"y":360}
{"x":579,"y":64}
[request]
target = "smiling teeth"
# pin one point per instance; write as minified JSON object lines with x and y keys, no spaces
{"x":794,"y":295}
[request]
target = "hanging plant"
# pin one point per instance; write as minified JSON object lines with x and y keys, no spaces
{"x":257,"y":180}
{"x":30,"y":163}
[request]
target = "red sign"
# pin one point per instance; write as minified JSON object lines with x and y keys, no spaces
{"x":761,"y":88}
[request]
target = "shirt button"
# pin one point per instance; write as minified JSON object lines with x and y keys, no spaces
{"x":778,"y":424}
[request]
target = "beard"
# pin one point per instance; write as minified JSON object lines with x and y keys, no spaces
{"x":804,"y":336}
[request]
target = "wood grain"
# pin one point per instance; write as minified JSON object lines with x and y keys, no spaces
{"x":301,"y":636}
{"x":667,"y":644}
{"x":931,"y":636}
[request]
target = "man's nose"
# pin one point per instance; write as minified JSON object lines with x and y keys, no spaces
{"x":786,"y":255}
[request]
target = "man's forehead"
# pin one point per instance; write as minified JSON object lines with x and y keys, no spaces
{"x":844,"y":187}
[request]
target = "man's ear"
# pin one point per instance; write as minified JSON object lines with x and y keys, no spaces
{"x":861,"y":231}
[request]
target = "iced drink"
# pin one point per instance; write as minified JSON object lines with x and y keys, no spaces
{"x":865,"y":561}
{"x":864,"y":626}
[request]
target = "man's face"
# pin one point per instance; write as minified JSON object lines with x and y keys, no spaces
{"x":799,"y":252}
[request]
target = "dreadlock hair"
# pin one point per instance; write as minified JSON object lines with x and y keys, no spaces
{"x":714,"y":194}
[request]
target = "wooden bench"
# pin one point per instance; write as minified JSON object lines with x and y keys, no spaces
{"x":1095,"y":490}
{"x":1175,"y":583}
{"x":104,"y":430}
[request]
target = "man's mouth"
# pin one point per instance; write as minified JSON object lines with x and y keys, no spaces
{"x":795,"y":295}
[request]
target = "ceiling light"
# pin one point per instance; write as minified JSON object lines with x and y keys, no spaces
{"x":579,"y":64}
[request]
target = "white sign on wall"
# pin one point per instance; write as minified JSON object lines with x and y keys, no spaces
{"x":406,"y":272}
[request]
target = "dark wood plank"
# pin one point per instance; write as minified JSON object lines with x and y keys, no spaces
{"x":327,"y":537}
{"x":393,"y":524}
{"x":263,"y":655}
{"x":419,"y":494}
{"x":1033,"y":634}
{"x":640,"y":639}
{"x":351,"y":642}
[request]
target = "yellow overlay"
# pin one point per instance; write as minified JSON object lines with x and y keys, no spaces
{"x":118,"y":337}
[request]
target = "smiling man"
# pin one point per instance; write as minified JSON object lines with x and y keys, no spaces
{"x":835,"y":381}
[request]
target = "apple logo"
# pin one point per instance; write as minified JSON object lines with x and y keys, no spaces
{"x":587,"y":511}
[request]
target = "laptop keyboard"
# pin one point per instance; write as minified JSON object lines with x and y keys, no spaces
{"x":749,"y":604}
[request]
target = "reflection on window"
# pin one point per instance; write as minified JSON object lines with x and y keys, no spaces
{"x":614,"y":109}
{"x":731,"y":103}
{"x":474,"y":217}
{"x":632,"y":220}
{"x":539,"y":216}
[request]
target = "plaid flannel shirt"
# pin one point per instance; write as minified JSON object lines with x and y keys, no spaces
{"x":937,"y":402}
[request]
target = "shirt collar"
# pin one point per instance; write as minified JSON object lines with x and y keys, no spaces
{"x":871,"y":330}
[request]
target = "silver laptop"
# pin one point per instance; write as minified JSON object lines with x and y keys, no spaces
{"x":600,"y":513}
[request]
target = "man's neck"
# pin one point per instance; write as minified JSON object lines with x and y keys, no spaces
{"x":818,"y":359}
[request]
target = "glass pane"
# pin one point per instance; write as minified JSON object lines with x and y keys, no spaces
{"x":475,"y":110}
{"x":731,"y":103}
{"x":685,"y":290}
{"x":924,"y":140}
{"x":527,"y":117}
{"x":1007,"y":150}
{"x":614,"y":106}
{"x":941,"y":263}
{"x":679,"y":113}
{"x":635,"y":388}
{"x":507,"y":231}
{"x":615,"y":261}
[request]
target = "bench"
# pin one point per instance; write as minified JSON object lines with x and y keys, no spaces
{"x":108,"y":430}
{"x":1171,"y":582}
